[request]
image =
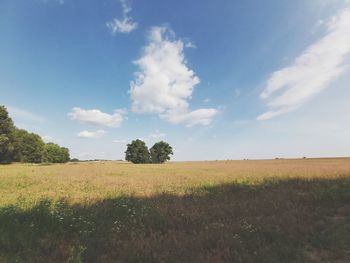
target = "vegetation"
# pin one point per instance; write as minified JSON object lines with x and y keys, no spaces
{"x":138,"y":153}
{"x":53,"y":153}
{"x":224,"y":211}
{"x":18,"y":145}
{"x":160,"y":152}
{"x":28,"y":147}
{"x":6,"y":131}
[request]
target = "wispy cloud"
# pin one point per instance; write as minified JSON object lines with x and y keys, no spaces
{"x":311,"y":72}
{"x":157,"y":135}
{"x":124,"y":25}
{"x":91,"y":134}
{"x":165,"y":83}
{"x":60,"y":2}
{"x":97,"y":117}
{"x":120,"y":141}
{"x":24,"y":115}
{"x":190,"y":118}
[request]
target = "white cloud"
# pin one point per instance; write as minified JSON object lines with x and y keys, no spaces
{"x":157,"y":135}
{"x":125,"y":25}
{"x":122,"y":26}
{"x":98,"y":117}
{"x":190,"y":44}
{"x":165,"y":83}
{"x":190,"y":118}
{"x":311,"y":72}
{"x":91,"y":135}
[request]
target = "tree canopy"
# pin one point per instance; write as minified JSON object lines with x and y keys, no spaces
{"x":53,"y":153}
{"x":28,"y":147}
{"x":137,"y":152}
{"x":6,"y":131}
{"x":160,"y":152}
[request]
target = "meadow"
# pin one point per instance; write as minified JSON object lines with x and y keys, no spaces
{"x":214,"y":211}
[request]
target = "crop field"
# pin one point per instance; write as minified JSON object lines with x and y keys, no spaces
{"x":215,"y":211}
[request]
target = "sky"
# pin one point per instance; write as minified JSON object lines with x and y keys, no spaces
{"x":217,"y":80}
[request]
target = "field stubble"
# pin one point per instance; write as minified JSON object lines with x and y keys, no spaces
{"x":217,"y":211}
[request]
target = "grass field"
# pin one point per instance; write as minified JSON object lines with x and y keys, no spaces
{"x":224,"y":211}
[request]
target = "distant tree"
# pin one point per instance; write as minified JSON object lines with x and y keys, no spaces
{"x":6,"y":131}
{"x":137,"y":152}
{"x":22,"y":146}
{"x":65,"y":156}
{"x":74,"y":160}
{"x":160,"y":152}
{"x":53,"y":153}
{"x":28,"y":147}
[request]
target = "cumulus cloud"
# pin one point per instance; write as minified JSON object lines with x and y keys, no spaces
{"x":124,"y":25}
{"x":97,"y":117}
{"x":91,"y":135}
{"x":311,"y":72}
{"x":164,"y":83}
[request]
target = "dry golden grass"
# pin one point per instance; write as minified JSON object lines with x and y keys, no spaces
{"x":85,"y":182}
{"x":217,"y":211}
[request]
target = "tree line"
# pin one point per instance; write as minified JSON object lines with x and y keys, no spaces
{"x":19,"y":145}
{"x":137,"y":152}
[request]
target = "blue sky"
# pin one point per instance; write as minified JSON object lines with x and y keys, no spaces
{"x":216,"y":79}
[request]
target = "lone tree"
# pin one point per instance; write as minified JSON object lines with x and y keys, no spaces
{"x":137,"y":152}
{"x":160,"y":152}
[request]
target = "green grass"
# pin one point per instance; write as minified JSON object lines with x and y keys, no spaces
{"x":235,"y":218}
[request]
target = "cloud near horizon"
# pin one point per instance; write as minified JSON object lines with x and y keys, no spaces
{"x":97,"y":117}
{"x":92,"y":135}
{"x":125,"y":25}
{"x":319,"y":65}
{"x":164,"y":83}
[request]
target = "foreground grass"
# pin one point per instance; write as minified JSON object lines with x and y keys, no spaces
{"x":244,"y":211}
